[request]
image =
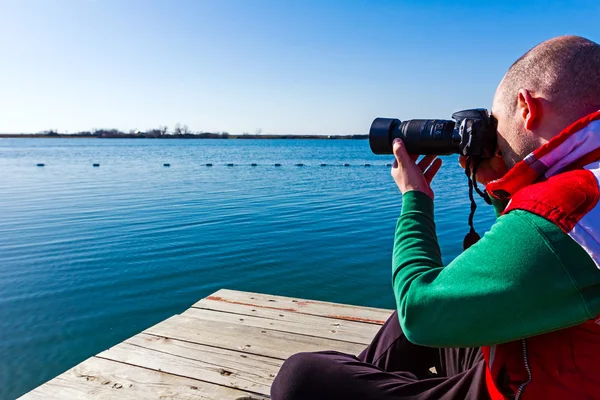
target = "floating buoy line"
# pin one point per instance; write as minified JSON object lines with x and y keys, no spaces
{"x":266,"y":165}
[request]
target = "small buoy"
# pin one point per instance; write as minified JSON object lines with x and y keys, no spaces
{"x":299,"y":165}
{"x":96,"y":165}
{"x":253,"y":165}
{"x":230,"y":165}
{"x":346,"y":165}
{"x":166,"y":165}
{"x":40,"y":165}
{"x":367,"y":165}
{"x":278,"y":165}
{"x":388,"y":165}
{"x":209,"y":165}
{"x":323,"y":165}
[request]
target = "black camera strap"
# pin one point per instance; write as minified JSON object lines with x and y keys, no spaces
{"x":470,"y":170}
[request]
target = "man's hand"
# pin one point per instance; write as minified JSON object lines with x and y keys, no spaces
{"x":410,"y":175}
{"x":489,"y":169}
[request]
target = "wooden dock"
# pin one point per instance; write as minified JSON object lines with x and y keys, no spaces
{"x":229,"y":345}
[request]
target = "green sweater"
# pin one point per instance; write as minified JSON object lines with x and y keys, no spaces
{"x":525,"y":277}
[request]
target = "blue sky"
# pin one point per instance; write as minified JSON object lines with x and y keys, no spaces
{"x":284,"y":66}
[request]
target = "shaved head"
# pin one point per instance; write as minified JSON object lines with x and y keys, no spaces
{"x":564,"y":70}
{"x":563,"y":77}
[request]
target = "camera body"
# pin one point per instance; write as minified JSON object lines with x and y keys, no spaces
{"x":470,"y":133}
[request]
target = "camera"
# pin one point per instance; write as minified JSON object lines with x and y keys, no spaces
{"x":470,"y":133}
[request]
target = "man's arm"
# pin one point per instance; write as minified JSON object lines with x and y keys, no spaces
{"x":524,"y":277}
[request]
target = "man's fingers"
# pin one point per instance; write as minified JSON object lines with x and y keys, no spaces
{"x":426,"y":161}
{"x":433,"y":169}
{"x":400,"y":152}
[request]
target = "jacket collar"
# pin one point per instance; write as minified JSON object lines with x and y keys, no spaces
{"x":575,"y":147}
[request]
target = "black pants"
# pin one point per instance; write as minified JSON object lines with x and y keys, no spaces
{"x":390,"y":368}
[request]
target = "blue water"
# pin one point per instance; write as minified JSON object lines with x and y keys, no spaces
{"x":90,"y":256}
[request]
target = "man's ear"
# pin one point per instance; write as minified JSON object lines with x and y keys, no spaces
{"x":527,"y":109}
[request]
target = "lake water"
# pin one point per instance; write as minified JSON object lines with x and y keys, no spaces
{"x":90,"y":256}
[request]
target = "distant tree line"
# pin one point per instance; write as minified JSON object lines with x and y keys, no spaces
{"x":179,"y":132}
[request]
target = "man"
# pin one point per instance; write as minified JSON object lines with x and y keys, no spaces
{"x":515,"y":315}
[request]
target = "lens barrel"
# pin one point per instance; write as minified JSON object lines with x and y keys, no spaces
{"x":420,"y":136}
{"x":380,"y":135}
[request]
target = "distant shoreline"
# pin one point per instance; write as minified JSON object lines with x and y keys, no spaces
{"x":181,"y":136}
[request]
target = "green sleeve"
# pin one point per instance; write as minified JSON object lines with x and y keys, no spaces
{"x":523,"y":278}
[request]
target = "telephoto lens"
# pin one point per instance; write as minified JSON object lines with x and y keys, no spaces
{"x":472,"y":135}
{"x":420,"y":136}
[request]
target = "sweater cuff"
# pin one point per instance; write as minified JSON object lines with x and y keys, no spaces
{"x":415,"y":201}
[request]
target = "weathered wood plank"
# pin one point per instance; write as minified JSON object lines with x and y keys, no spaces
{"x":224,"y":367}
{"x":331,"y":310}
{"x":228,"y":345}
{"x":98,"y":378}
{"x":310,"y":325}
{"x":343,"y":327}
{"x":246,"y":339}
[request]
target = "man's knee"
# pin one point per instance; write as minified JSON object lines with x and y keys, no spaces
{"x":301,"y":376}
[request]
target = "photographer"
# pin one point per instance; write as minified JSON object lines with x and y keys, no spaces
{"x":515,"y":315}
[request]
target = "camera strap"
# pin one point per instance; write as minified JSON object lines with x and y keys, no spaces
{"x":470,"y":170}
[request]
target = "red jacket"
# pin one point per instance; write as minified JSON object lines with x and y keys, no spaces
{"x":559,"y":181}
